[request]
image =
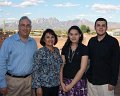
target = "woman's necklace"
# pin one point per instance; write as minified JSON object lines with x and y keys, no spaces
{"x":70,"y":55}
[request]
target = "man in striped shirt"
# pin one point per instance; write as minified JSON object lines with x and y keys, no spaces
{"x":16,"y":61}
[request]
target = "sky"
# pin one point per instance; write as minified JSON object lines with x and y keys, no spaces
{"x":63,"y":10}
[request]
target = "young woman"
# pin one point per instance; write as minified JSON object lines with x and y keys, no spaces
{"x":46,"y":69}
{"x":75,"y":59}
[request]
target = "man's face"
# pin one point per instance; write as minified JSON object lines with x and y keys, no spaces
{"x":100,"y":27}
{"x":24,"y":28}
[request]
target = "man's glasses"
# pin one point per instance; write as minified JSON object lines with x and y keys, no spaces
{"x":25,"y":26}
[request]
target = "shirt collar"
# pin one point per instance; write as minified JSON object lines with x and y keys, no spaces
{"x":103,"y":38}
{"x":17,"y":37}
{"x":46,"y":49}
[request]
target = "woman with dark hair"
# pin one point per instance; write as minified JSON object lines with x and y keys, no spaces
{"x":75,"y":58}
{"x":46,"y":69}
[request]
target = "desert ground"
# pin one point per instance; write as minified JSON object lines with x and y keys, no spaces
{"x":61,"y":40}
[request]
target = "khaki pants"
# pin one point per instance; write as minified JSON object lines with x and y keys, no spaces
{"x":19,"y":86}
{"x":99,"y":90}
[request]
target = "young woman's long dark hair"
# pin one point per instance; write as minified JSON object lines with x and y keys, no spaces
{"x":68,"y":42}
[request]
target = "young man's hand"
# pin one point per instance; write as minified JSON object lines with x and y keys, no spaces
{"x":111,"y":87}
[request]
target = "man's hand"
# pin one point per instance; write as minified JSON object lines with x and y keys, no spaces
{"x":111,"y":87}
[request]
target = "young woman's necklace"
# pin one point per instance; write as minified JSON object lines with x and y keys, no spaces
{"x":70,"y":55}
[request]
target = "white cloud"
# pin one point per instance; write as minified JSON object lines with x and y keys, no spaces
{"x":66,"y":5}
{"x":11,"y":19}
{"x":27,"y":3}
{"x":28,"y":13}
{"x":5,"y":3}
{"x":110,"y":17}
{"x":80,"y":16}
{"x":104,"y":8}
{"x":39,"y":1}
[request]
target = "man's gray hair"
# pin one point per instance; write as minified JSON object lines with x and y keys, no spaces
{"x":24,"y":17}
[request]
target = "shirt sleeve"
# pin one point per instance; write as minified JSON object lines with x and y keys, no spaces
{"x":115,"y":63}
{"x":4,"y":54}
{"x":36,"y":83}
{"x":63,"y":51}
{"x":85,"y":51}
{"x":59,"y":57}
{"x":36,"y":47}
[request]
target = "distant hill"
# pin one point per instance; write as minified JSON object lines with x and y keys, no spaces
{"x":42,"y":23}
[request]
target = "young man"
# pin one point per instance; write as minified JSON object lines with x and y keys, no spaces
{"x":16,"y":61}
{"x":104,"y":61}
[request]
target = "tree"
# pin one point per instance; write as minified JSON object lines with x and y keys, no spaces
{"x":85,"y":28}
{"x":88,"y":29}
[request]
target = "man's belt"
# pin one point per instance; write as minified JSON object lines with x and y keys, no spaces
{"x":17,"y":76}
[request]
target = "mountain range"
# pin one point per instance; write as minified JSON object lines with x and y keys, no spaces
{"x":43,"y":23}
